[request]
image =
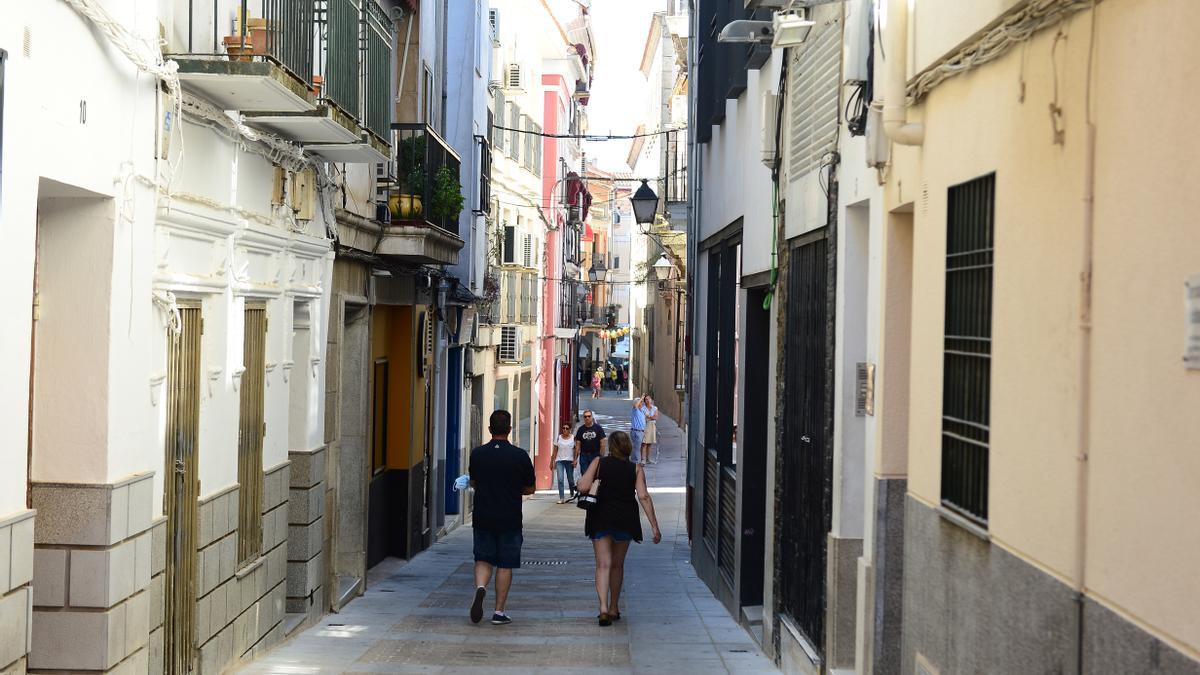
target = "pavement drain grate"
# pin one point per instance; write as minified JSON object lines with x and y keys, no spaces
{"x":543,"y":563}
{"x":495,"y":655}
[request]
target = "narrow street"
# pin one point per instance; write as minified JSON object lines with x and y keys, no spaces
{"x":413,"y":617}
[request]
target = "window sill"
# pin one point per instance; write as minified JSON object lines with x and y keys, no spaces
{"x":249,"y":567}
{"x":953,"y":516}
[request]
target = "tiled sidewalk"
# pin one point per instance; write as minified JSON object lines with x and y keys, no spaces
{"x":413,"y":618}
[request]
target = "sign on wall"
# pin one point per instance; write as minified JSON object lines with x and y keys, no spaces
{"x":1191,"y":357}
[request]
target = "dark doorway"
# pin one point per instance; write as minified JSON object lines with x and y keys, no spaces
{"x":454,"y":397}
{"x":805,"y":487}
{"x":753,"y":465}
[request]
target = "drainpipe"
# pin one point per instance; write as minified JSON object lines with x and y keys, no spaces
{"x":1085,"y":366}
{"x":895,"y":110}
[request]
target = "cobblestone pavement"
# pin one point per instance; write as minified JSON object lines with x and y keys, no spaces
{"x":413,"y":617}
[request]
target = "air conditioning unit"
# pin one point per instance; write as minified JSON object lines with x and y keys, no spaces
{"x":514,"y":77}
{"x":494,"y":26}
{"x":510,"y":345}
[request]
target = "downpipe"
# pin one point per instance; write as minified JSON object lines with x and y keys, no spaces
{"x":895,"y":109}
{"x":1082,"y":466}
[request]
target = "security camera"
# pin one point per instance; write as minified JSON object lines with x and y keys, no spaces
{"x":743,"y":31}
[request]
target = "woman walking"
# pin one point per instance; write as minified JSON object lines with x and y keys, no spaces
{"x":564,"y":462}
{"x":596,"y":383}
{"x":650,"y":436}
{"x":613,"y":521}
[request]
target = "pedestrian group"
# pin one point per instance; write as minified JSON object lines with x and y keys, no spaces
{"x":612,"y":485}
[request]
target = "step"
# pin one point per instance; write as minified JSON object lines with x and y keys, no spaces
{"x":292,"y":621}
{"x":752,"y":614}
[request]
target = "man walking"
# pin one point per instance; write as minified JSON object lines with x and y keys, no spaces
{"x":589,"y":441}
{"x":501,"y":474}
{"x":637,"y":427}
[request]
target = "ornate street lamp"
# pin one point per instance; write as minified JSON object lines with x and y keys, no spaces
{"x":645,"y":204}
{"x":664,"y":270}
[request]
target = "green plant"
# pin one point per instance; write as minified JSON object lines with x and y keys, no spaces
{"x":447,"y":194}
{"x":412,"y":164}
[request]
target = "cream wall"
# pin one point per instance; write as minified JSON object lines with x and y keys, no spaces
{"x":1143,"y":541}
{"x":938,"y":26}
{"x":1140,"y":548}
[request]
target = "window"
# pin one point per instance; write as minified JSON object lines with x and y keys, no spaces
{"x":379,"y":406}
{"x":251,"y":429}
{"x":508,"y":248}
{"x":514,"y":134}
{"x":616,"y":262}
{"x":527,"y":253}
{"x":510,"y":347}
{"x":430,"y":99}
{"x":966,"y":379}
{"x":501,"y":115}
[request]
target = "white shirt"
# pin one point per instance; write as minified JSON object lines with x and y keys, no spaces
{"x":566,"y":448}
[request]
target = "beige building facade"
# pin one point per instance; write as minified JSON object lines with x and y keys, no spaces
{"x":1078,"y":547}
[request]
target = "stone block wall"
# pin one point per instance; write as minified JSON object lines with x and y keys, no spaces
{"x":16,"y":604}
{"x":92,"y":566}
{"x":239,"y":610}
{"x":306,"y":574}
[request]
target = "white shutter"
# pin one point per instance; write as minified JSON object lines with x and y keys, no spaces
{"x":527,"y":257}
{"x":813,"y":93}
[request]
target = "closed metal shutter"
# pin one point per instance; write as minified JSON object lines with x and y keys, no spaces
{"x":814,"y":72}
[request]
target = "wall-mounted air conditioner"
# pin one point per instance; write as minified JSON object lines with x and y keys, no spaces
{"x":514,"y":77}
{"x":510,"y":345}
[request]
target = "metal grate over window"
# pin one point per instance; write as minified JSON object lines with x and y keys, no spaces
{"x":966,"y":380}
{"x":252,"y":428}
{"x":510,"y":347}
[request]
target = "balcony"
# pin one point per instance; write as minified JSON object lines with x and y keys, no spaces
{"x":352,"y":117}
{"x":248,"y":55}
{"x":314,"y":72}
{"x":425,"y":197}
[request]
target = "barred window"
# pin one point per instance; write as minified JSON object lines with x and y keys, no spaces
{"x":966,"y":390}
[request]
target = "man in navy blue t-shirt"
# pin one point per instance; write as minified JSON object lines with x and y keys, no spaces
{"x":501,"y":474}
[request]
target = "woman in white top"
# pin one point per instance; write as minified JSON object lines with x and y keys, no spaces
{"x":564,"y":462}
{"x":650,"y":436}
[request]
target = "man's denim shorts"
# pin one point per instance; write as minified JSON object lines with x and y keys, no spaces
{"x":501,"y":549}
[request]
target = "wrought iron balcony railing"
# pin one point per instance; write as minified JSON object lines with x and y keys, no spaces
{"x":358,"y":52}
{"x":426,"y":187}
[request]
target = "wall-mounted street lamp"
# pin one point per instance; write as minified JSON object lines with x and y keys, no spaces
{"x":664,"y":270}
{"x":645,"y":204}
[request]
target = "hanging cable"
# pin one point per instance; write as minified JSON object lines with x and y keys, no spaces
{"x":775,"y":175}
{"x":591,"y":137}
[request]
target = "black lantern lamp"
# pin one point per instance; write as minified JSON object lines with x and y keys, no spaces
{"x":645,"y":204}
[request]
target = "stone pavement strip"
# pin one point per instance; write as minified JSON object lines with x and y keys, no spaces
{"x":413,"y":617}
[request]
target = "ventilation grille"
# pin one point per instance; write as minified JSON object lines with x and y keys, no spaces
{"x":514,"y":77}
{"x":814,"y":73}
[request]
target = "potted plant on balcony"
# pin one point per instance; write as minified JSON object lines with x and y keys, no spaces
{"x":253,"y":43}
{"x":406,"y":202}
{"x":447,"y":194}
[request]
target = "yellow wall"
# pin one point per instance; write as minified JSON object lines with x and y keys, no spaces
{"x":392,"y":329}
{"x":1144,"y":489}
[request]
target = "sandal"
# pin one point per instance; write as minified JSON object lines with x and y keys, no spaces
{"x":605,"y":620}
{"x":615,"y":616}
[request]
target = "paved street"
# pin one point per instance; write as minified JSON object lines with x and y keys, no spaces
{"x":413,"y":617}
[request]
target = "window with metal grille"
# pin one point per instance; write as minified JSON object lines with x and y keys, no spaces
{"x":510,"y":347}
{"x":966,"y":379}
{"x":485,"y":171}
{"x":252,"y":428}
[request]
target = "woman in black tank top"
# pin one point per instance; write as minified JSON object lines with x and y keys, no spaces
{"x":614,"y":522}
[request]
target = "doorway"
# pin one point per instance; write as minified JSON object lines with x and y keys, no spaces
{"x":753,"y":463}
{"x":805,"y":482}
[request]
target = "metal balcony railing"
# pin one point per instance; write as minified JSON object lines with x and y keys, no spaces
{"x":427,"y":189}
{"x":342,"y":80}
{"x":279,"y":31}
{"x":377,"y":69}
